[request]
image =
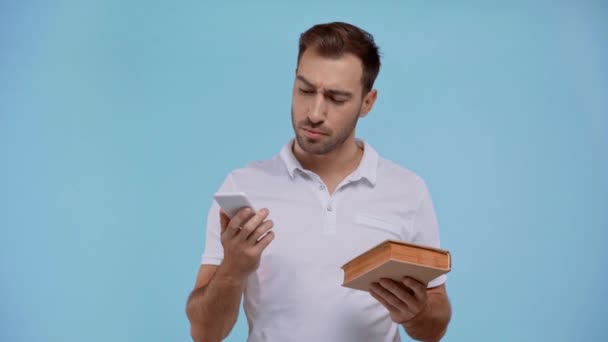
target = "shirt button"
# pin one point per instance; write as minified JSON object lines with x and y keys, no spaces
{"x":321,"y":187}
{"x":329,"y":208}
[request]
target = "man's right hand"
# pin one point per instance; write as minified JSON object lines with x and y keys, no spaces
{"x":239,"y":237}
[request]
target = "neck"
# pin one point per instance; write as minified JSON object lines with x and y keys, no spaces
{"x":337,"y":163}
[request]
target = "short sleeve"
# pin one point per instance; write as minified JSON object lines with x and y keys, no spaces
{"x":426,"y":228}
{"x":214,"y":252}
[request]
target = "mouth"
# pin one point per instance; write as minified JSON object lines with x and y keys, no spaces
{"x":311,"y":133}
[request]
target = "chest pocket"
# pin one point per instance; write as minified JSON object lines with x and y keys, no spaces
{"x":381,"y":226}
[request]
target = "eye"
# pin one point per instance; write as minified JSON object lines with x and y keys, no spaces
{"x":306,"y":91}
{"x":338,"y":102}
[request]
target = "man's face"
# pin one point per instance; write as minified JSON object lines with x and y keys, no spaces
{"x":326,"y":102}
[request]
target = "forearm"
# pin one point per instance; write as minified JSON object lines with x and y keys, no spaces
{"x":213,"y":310}
{"x":431,"y":324}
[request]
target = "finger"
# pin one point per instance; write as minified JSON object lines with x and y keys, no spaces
{"x":400,"y":291}
{"x":261,"y":230}
{"x":224,"y":220}
{"x":417,"y":288}
{"x":389,"y":297}
{"x":382,"y":301}
{"x":253,"y":223}
{"x":234,"y":227}
{"x":264,"y":242}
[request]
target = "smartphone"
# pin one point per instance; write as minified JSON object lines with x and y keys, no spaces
{"x":232,"y":202}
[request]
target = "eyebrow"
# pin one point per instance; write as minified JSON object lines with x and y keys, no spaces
{"x":334,"y":92}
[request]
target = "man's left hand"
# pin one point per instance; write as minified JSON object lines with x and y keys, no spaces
{"x":404,"y":300}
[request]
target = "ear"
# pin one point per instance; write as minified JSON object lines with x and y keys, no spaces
{"x":368,"y":102}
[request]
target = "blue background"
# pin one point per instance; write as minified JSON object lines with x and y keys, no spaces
{"x":119,"y":120}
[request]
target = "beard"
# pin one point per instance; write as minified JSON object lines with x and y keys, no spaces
{"x":329,"y":142}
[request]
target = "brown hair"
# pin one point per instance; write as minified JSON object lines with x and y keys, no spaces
{"x":333,"y":40}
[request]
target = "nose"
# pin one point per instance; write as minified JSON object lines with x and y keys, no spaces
{"x":318,"y":111}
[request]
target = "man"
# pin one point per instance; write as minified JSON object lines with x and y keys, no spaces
{"x":326,"y":197}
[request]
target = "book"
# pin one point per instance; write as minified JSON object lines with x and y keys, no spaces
{"x":396,"y":259}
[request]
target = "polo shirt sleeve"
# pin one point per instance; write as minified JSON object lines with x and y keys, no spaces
{"x":426,"y":228}
{"x":214,"y":252}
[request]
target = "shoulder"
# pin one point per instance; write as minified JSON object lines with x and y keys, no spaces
{"x":400,"y":182}
{"x":259,"y":170}
{"x":393,"y":173}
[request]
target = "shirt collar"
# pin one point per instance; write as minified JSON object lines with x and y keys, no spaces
{"x":367,"y":168}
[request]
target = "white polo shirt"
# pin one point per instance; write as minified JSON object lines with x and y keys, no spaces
{"x":296,"y":293}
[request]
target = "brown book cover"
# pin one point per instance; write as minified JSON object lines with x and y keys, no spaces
{"x":396,"y":259}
